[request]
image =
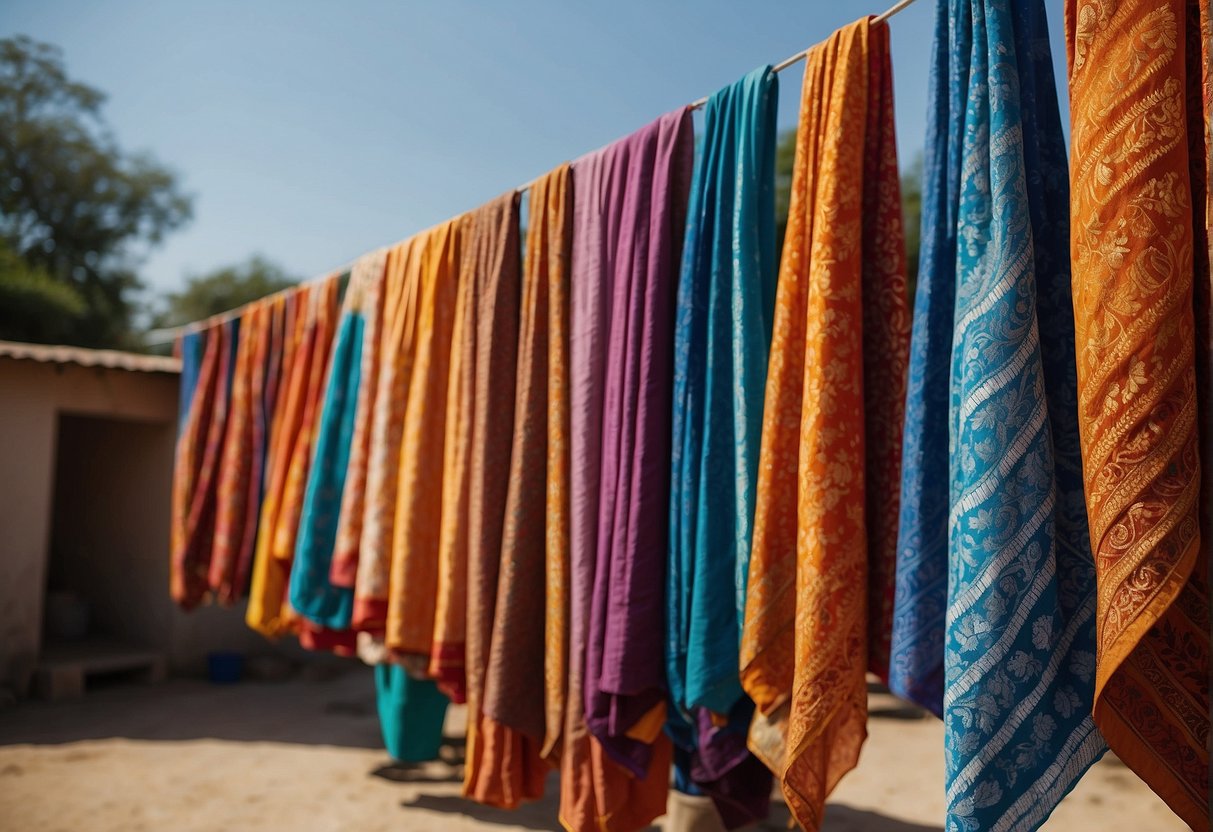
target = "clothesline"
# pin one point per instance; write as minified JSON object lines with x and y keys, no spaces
{"x":214,"y":320}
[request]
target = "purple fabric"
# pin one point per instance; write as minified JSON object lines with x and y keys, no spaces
{"x":629,"y":219}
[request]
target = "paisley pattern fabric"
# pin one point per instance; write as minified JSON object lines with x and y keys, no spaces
{"x":1007,"y":605}
{"x":1141,"y":273}
{"x":596,"y":793}
{"x":725,"y":304}
{"x":398,"y":338}
{"x":817,"y":603}
{"x":311,"y":593}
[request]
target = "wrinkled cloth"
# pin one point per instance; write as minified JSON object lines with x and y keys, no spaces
{"x":411,"y":714}
{"x":197,"y":462}
{"x":536,"y":498}
{"x":398,"y":337}
{"x":288,"y":457}
{"x":725,"y":305}
{"x":819,"y":595}
{"x":503,"y":765}
{"x":1139,"y":249}
{"x":596,"y":792}
{"x":996,"y":582}
{"x":311,"y":592}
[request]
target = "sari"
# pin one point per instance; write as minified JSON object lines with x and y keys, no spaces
{"x":1139,"y":245}
{"x":311,"y":592}
{"x":726,"y":299}
{"x":995,"y":599}
{"x":817,"y":605}
{"x":511,"y":713}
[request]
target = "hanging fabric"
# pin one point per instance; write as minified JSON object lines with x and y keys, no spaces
{"x":411,"y":714}
{"x":1141,"y":305}
{"x":311,"y":592}
{"x":726,"y":299}
{"x":816,"y":615}
{"x":304,"y":366}
{"x":197,"y":464}
{"x":995,"y":577}
{"x":344,"y":567}
{"x":503,"y":765}
{"x":414,"y":585}
{"x":398,"y":338}
{"x":614,"y":190}
{"x":512,"y":715}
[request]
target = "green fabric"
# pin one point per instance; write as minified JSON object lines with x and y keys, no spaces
{"x":411,"y":713}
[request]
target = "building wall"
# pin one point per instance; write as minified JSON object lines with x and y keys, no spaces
{"x":115,"y":504}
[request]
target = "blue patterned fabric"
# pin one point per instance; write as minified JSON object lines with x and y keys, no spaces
{"x":312,"y":594}
{"x":193,"y":344}
{"x":994,"y":623}
{"x":725,"y":306}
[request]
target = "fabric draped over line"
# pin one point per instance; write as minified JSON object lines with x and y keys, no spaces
{"x":1140,"y":251}
{"x":400,"y":331}
{"x":817,"y":604}
{"x":503,"y":764}
{"x":995,"y":603}
{"x":311,"y":592}
{"x":531,"y":592}
{"x":303,"y":371}
{"x":725,"y":303}
{"x":621,"y":192}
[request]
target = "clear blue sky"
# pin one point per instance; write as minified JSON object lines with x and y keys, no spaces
{"x":310,"y":132}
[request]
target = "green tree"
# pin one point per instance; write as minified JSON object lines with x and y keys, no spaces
{"x":222,"y":290}
{"x":75,"y":207}
{"x":911,"y":200}
{"x":33,"y":305}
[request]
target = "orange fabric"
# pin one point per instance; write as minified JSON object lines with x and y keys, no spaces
{"x":398,"y":346}
{"x":303,"y":369}
{"x":828,"y":485}
{"x":1137,"y":237}
{"x":413,"y":577}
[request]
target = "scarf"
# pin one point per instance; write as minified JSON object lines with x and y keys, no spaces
{"x":311,"y":592}
{"x":995,"y":594}
{"x":512,"y":715}
{"x":816,"y":614}
{"x":726,"y":298}
{"x":615,"y":189}
{"x":398,"y":348}
{"x":1139,"y":238}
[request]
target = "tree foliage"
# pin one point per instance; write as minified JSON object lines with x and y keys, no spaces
{"x":221,"y":290}
{"x":74,"y":206}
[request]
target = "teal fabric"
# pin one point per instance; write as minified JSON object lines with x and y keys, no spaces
{"x":312,"y":594}
{"x":411,"y":713}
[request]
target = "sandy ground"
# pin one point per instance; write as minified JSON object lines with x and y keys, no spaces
{"x":305,"y":755}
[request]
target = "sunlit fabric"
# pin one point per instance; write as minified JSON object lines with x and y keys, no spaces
{"x":288,"y":457}
{"x":513,"y":715}
{"x":1141,"y":305}
{"x":1008,"y":602}
{"x":596,"y":792}
{"x":411,"y":714}
{"x":413,"y":589}
{"x":725,"y":304}
{"x":311,"y":593}
{"x":398,"y":339}
{"x":818,"y":600}
{"x":197,"y":463}
{"x":503,"y":765}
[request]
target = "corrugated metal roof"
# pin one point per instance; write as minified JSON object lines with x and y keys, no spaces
{"x":112,"y":359}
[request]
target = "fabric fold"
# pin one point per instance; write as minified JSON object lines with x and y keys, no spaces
{"x":996,"y":587}
{"x":1139,"y":246}
{"x":725,"y":304}
{"x":816,"y":615}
